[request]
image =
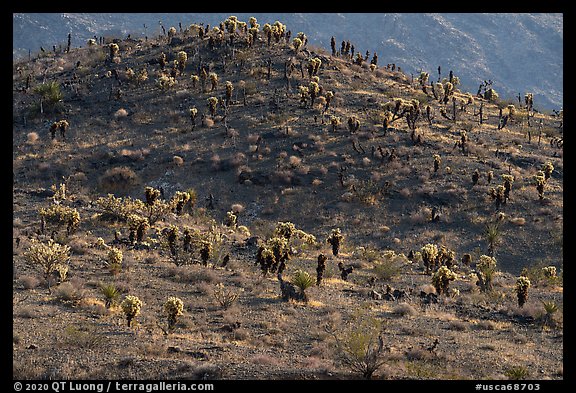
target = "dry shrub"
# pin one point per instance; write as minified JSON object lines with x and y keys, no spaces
{"x":519,"y":221}
{"x":120,"y":114}
{"x":32,"y":138}
{"x":405,"y":192}
{"x":208,"y":122}
{"x":118,"y":180}
{"x":237,"y":208}
{"x":29,"y":282}
{"x":404,"y":309}
{"x":421,"y":216}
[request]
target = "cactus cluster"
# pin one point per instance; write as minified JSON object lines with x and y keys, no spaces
{"x":61,"y":215}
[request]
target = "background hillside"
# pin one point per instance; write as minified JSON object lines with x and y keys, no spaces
{"x":202,"y":164}
{"x":519,"y":52}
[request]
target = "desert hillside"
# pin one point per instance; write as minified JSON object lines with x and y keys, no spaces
{"x":232,"y":202}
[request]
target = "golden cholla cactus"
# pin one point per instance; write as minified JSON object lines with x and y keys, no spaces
{"x":296,"y":44}
{"x":213,"y":80}
{"x":171,"y":32}
{"x":522,"y":285}
{"x":173,"y":308}
{"x":549,"y":271}
{"x":48,"y":256}
{"x":508,"y":180}
{"x":437,"y":162}
{"x":229,"y":89}
{"x":182,"y":59}
{"x":429,"y":253}
{"x":114,"y":50}
{"x":304,"y":92}
{"x":540,"y":182}
{"x":335,"y":122}
{"x":441,"y":279}
{"x":485,"y":270}
{"x":547,"y":168}
{"x":335,"y":240}
{"x":131,"y":306}
{"x":61,"y":215}
{"x":212,"y":104}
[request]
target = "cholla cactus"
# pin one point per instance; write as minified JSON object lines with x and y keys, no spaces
{"x":335,"y":239}
{"x":195,"y":79}
{"x":213,"y":80}
{"x":547,"y":169}
{"x":61,"y":125}
{"x":296,"y":44}
{"x":335,"y":122}
{"x":179,"y":200}
{"x":540,"y":182}
{"x":138,"y":226}
{"x":437,"y":162}
{"x":441,"y":279}
{"x":429,"y":253}
{"x":328,"y":96}
{"x":61,"y":215}
{"x":182,"y":59}
{"x":313,"y":89}
{"x":278,"y":30}
{"x":165,"y":81}
{"x":266,"y":259}
{"x":131,"y":306}
{"x":205,"y":251}
{"x":212,"y":105}
{"x":320,"y":268}
{"x":522,"y":285}
{"x":48,"y":256}
{"x":115,"y":258}
{"x":445,"y":257}
{"x":511,"y":111}
{"x":231,"y":219}
{"x":498,"y":193}
{"x":491,"y":95}
{"x":151,"y":194}
{"x":508,"y":180}
{"x":423,"y":79}
{"x":485,"y":270}
{"x":162,"y":60}
{"x":171,"y":32}
{"x":141,"y":76}
{"x":353,"y":124}
{"x":173,"y":308}
{"x":114,"y":50}
{"x":193,"y":114}
{"x":549,"y":271}
{"x":314,"y":65}
{"x":229,"y":89}
{"x":59,"y":193}
{"x":489,"y":176}
{"x":304,"y":93}
{"x":529,"y":101}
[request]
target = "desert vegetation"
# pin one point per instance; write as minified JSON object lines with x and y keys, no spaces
{"x":232,"y":202}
